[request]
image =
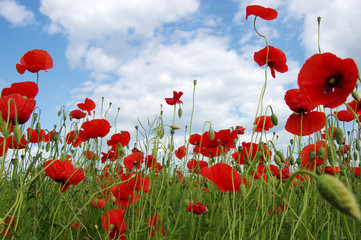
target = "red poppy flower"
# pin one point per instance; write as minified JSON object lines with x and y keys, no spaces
{"x":311,"y":122}
{"x":34,"y":61}
{"x":263,"y":124}
{"x":150,"y":161}
{"x":91,"y":155}
{"x":260,"y":173}
{"x":306,"y":157}
{"x":92,"y":129}
{"x":197,"y":208}
{"x":327,"y":79}
{"x":11,"y":142}
{"x":113,"y":223}
{"x":344,"y":115}
{"x":180,"y":152}
{"x":4,"y":228}
{"x":88,"y":105}
{"x":240,"y":130}
{"x":283,"y":173}
{"x":262,"y":12}
{"x":139,"y":183}
{"x":331,"y":171}
{"x":193,"y":165}
{"x":276,"y":59}
{"x":77,"y":114}
{"x":153,"y":222}
{"x":224,"y":176}
{"x":63,"y":173}
{"x":122,"y":193}
{"x":26,"y":89}
{"x":175,"y":99}
{"x":49,"y":136}
{"x":98,"y":203}
{"x":223,"y":141}
{"x":355,"y":106}
{"x":249,"y":151}
{"x":298,"y":101}
{"x":17,"y":108}
{"x":134,"y":160}
{"x":122,"y":138}
{"x":34,"y":136}
{"x":355,"y":171}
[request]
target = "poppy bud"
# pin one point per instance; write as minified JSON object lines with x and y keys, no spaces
{"x":175,"y":127}
{"x":280,"y":154}
{"x":37,"y":128}
{"x":194,"y":82}
{"x":96,"y":227}
{"x":291,"y":141}
{"x":336,"y":193}
{"x":313,"y":155}
{"x":172,"y":131}
{"x":240,"y":148}
{"x":274,"y":119}
{"x":243,"y":190}
{"x":277,"y":160}
{"x":339,"y":135}
{"x":321,"y":153}
{"x":299,"y":161}
{"x":17,"y":133}
{"x":356,"y":96}
{"x":211,"y":134}
{"x":47,"y":147}
{"x":55,"y":136}
{"x":180,"y":112}
{"x":161,"y":133}
{"x":59,"y":113}
{"x":355,"y":156}
{"x":235,"y":140}
{"x":331,"y":155}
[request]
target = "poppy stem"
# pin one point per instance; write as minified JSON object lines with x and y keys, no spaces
{"x":319,"y":33}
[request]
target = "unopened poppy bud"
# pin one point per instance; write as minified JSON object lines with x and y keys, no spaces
{"x":277,"y":160}
{"x":356,"y":96}
{"x":211,"y":134}
{"x":280,"y":154}
{"x":243,"y":190}
{"x":291,"y":141}
{"x":339,"y":135}
{"x":180,"y":112}
{"x":355,"y":156}
{"x":336,"y":193}
{"x":59,"y":113}
{"x":3,"y":126}
{"x":240,"y":148}
{"x":37,"y":128}
{"x":96,"y":227}
{"x":313,"y":155}
{"x":194,"y":82}
{"x":47,"y":147}
{"x":172,"y":131}
{"x":55,"y":136}
{"x":331,"y":155}
{"x":17,"y":133}
{"x":235,"y":140}
{"x":321,"y":153}
{"x":274,"y":119}
{"x":299,"y":161}
{"x":161,"y":133}
{"x":175,"y":127}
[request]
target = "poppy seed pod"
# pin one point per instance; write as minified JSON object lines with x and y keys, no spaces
{"x":336,"y":193}
{"x":339,"y":135}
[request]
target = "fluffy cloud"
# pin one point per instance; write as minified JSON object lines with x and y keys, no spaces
{"x":16,"y":14}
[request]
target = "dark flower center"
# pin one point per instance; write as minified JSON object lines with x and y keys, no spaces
{"x":333,"y":82}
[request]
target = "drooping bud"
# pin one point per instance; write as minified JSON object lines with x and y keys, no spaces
{"x":321,"y":153}
{"x":339,"y":135}
{"x":211,"y":134}
{"x":331,"y":155}
{"x":161,"y":133}
{"x":281,"y":156}
{"x":336,"y":193}
{"x":356,"y":96}
{"x":313,"y":155}
{"x":358,"y":145}
{"x":55,"y":136}
{"x":17,"y":133}
{"x":274,"y":119}
{"x":291,"y":160}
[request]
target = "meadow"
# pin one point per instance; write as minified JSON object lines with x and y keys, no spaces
{"x":88,"y":179}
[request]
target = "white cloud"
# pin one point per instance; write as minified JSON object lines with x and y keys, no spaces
{"x":16,"y":14}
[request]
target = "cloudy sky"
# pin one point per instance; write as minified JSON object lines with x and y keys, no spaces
{"x":135,"y":53}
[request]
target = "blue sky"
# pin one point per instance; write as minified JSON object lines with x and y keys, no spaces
{"x":135,"y":53}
